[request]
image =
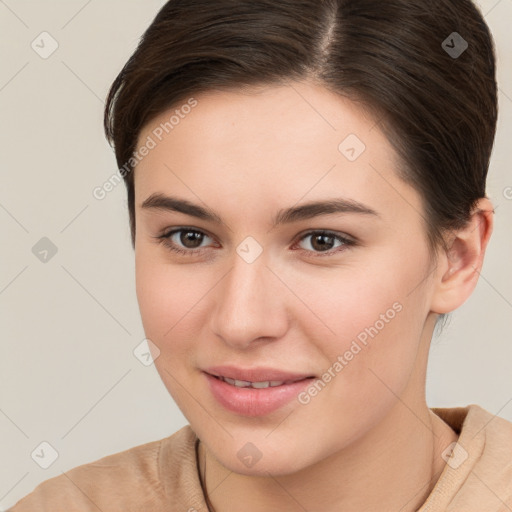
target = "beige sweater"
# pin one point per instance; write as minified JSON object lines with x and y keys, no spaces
{"x":162,"y":475}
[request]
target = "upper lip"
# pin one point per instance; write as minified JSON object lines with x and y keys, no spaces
{"x":255,"y":374}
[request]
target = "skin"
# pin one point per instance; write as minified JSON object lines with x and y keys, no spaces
{"x":368,"y":440}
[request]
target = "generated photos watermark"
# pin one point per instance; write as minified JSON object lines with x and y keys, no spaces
{"x":151,"y":142}
{"x":358,"y":343}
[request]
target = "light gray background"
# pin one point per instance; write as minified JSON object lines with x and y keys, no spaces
{"x":68,"y":375}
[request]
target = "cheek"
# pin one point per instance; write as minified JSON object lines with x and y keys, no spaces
{"x":168,"y":296}
{"x":165,"y":301}
{"x":174,"y":302}
{"x":170,"y":302}
{"x":368,"y":325}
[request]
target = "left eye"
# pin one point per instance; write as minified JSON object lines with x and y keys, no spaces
{"x":323,"y":241}
{"x":189,"y":241}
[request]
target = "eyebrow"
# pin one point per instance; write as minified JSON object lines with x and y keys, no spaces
{"x":305,"y":211}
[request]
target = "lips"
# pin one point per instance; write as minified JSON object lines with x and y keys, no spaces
{"x":253,"y":375}
{"x":256,"y":384}
{"x":256,"y":391}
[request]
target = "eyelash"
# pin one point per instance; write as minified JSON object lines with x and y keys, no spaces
{"x":165,"y":240}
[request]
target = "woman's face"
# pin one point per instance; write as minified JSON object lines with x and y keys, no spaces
{"x":260,"y":285}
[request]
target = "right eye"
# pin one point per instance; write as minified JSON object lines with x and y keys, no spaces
{"x":184,"y":240}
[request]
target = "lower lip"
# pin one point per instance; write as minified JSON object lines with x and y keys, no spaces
{"x":251,"y":401}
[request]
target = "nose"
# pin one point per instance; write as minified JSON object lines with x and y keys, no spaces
{"x":250,"y":304}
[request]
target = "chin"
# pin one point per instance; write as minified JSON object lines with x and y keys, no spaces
{"x":245,"y":458}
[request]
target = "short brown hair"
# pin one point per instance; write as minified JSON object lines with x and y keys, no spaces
{"x":438,"y":109}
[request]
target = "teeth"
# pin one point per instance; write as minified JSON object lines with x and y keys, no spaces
{"x":261,"y":384}
{"x":257,"y":385}
{"x":242,"y":383}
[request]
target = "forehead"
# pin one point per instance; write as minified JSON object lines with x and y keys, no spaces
{"x":275,"y":143}
{"x":278,"y":116}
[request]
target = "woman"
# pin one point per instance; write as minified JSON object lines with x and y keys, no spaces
{"x":306,"y":189}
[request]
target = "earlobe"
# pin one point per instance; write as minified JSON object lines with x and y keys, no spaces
{"x":459,"y":267}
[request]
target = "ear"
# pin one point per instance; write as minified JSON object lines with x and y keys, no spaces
{"x":458,"y":268}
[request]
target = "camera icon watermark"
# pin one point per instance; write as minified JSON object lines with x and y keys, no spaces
{"x":44,"y":455}
{"x":454,"y":455}
{"x":249,"y":455}
{"x":146,"y":352}
{"x":249,"y":250}
{"x":44,"y":250}
{"x":455,"y":45}
{"x":352,"y":147}
{"x":507,"y":193}
{"x":44,"y":45}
